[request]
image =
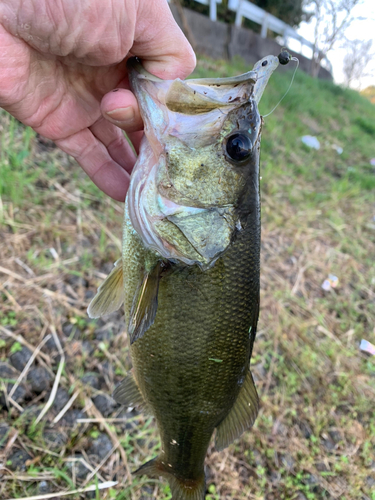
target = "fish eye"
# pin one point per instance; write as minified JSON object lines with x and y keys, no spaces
{"x":264,"y":63}
{"x":239,"y":146}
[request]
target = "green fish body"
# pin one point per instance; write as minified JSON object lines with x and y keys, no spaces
{"x":189,"y":273}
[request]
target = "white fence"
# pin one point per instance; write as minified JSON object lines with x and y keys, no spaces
{"x":244,"y":8}
{"x":212,"y":4}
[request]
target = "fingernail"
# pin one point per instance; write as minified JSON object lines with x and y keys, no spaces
{"x":122,"y":114}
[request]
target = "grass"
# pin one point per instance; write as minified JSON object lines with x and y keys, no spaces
{"x":315,"y":435}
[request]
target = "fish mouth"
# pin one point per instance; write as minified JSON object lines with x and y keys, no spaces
{"x":182,"y":117}
{"x":258,"y":76}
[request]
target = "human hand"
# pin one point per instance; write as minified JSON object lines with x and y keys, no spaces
{"x":59,"y":59}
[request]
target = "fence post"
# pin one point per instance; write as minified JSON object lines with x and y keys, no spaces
{"x":238,"y":20}
{"x":213,"y":14}
{"x":263,"y":33}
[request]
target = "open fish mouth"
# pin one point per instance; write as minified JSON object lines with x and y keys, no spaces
{"x":181,"y":205}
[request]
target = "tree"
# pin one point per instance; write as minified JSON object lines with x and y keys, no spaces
{"x":356,"y":60}
{"x":332,"y":18}
{"x":289,"y":11}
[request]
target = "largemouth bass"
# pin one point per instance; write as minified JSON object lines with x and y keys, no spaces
{"x":189,"y":273}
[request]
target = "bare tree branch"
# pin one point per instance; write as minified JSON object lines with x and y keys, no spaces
{"x":356,"y":60}
{"x":332,"y":19}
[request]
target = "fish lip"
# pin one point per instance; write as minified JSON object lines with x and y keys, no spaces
{"x":134,"y":65}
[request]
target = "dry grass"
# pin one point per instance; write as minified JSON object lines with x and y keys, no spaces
{"x":315,"y":434}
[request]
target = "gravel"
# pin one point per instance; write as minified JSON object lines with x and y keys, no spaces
{"x":39,"y":379}
{"x":105,"y":404}
{"x":92,"y":379}
{"x":17,"y":460}
{"x":4,"y":430}
{"x":61,"y":398}
{"x":80,"y":471}
{"x":71,"y":331}
{"x":100,"y":446}
{"x":55,"y":440}
{"x":8,"y":372}
{"x":20,"y":358}
{"x":20,"y":394}
{"x":70,"y":418}
{"x":43,"y":487}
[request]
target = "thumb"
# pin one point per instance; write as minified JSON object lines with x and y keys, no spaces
{"x":160,"y":43}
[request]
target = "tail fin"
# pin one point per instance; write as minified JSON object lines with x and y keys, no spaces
{"x":182,"y":489}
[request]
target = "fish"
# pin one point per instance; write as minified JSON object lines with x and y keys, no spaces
{"x":189,"y":272}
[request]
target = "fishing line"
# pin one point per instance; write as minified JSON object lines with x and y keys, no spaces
{"x":291,"y":83}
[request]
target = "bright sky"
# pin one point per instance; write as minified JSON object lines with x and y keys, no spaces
{"x":360,"y":30}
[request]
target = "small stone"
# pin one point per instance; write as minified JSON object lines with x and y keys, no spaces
{"x":17,"y":460}
{"x":20,"y":394}
{"x":311,"y":479}
{"x":300,"y":496}
{"x":20,"y":358}
{"x":321,"y":467}
{"x":7,"y":372}
{"x":39,"y":379}
{"x":336,"y":436}
{"x":100,"y":446}
{"x":69,"y":329}
{"x":88,"y":348}
{"x":55,"y":439}
{"x":104,"y":335}
{"x":50,"y":345}
{"x":258,"y":458}
{"x":275,"y":477}
{"x":105,"y":404}
{"x":370,"y":481}
{"x":288,"y":461}
{"x":80,"y":470}
{"x":91,"y":379}
{"x":108,"y":370}
{"x":43,"y":487}
{"x":328,"y":444}
{"x":77,"y":281}
{"x":90,"y":494}
{"x":89,"y":294}
{"x":30,"y":414}
{"x":4,"y":432}
{"x":305,"y":429}
{"x":147,"y":493}
{"x":71,"y":416}
{"x":61,"y":398}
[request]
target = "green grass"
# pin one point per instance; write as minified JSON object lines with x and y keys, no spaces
{"x":315,"y":435}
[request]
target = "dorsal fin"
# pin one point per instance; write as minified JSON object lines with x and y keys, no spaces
{"x":110,"y":294}
{"x":242,"y":415}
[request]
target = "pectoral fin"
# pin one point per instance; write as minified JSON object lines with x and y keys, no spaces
{"x":241,"y":417}
{"x":110,"y":294}
{"x":145,"y":304}
{"x":127,"y":393}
